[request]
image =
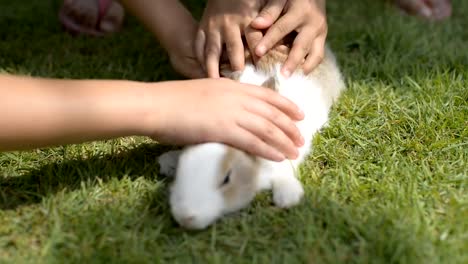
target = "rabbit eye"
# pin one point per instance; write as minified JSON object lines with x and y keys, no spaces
{"x":226,"y":178}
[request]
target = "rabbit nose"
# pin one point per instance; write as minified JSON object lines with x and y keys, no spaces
{"x":187,"y":221}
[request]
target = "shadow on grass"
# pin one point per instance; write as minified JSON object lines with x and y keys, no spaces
{"x":317,"y":231}
{"x":31,"y":187}
{"x":388,"y":47}
{"x":33,"y":43}
{"x":390,"y":51}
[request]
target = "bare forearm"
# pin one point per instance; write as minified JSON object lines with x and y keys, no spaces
{"x":168,"y":20}
{"x":42,"y":112}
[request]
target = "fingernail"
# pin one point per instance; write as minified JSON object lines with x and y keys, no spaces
{"x":259,"y":20}
{"x":301,"y":114}
{"x":260,"y":50}
{"x":286,"y":73}
{"x":279,"y":157}
{"x":295,"y":154}
{"x":301,"y":141}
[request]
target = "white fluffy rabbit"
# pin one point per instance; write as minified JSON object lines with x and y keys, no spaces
{"x":214,"y":179}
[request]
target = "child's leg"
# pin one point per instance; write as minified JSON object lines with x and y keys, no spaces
{"x":91,"y":17}
{"x":428,"y":9}
{"x":170,"y":22}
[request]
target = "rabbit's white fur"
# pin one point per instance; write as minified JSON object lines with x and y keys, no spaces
{"x":198,"y":197}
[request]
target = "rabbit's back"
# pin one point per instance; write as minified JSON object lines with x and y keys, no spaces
{"x":314,"y":93}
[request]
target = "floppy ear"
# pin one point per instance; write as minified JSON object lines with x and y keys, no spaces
{"x":271,"y":83}
{"x":168,"y":162}
{"x":226,"y":71}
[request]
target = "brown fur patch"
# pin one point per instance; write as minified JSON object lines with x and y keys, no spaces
{"x":243,"y":183}
{"x":278,"y":54}
{"x":226,"y":164}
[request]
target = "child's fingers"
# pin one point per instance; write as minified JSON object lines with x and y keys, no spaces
{"x":244,"y":139}
{"x":234,"y":48}
{"x":253,"y":37}
{"x":275,"y":33}
{"x":316,"y":55}
{"x":199,"y":47}
{"x":300,"y":49}
{"x":212,"y":54}
{"x":269,"y":133}
{"x":278,"y":118}
{"x":282,"y":103}
{"x":269,"y":14}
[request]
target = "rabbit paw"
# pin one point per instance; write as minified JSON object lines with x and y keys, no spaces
{"x":168,"y":162}
{"x":287,"y":193}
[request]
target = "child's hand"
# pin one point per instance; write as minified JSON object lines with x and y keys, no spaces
{"x":251,"y":118}
{"x":182,"y":55}
{"x":175,"y":29}
{"x":224,"y":22}
{"x":307,"y":17}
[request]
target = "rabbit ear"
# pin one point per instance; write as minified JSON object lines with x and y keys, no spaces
{"x":271,"y":83}
{"x":255,"y":160}
{"x":168,"y":162}
{"x":226,"y":71}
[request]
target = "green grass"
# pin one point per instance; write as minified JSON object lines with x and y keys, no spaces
{"x":386,"y":183}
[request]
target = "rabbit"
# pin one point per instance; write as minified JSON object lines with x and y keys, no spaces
{"x":213,"y":179}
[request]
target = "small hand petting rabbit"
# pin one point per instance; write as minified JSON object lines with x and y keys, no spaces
{"x":213,"y":179}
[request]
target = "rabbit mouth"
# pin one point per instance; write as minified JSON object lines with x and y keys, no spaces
{"x":194,"y":223}
{"x":194,"y":213}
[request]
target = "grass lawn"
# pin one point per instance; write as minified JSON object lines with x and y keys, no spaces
{"x":386,"y":183}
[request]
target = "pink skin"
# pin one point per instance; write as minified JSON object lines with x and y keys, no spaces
{"x":42,"y":113}
{"x":91,"y":17}
{"x":225,"y":21}
{"x":429,"y":9}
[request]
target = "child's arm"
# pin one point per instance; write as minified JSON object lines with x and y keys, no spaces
{"x":43,"y":112}
{"x":174,"y":27}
